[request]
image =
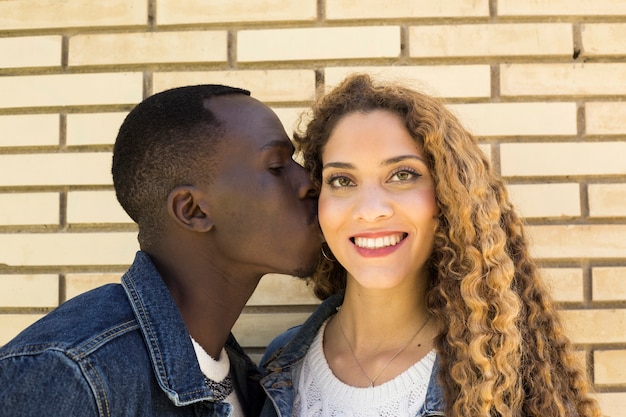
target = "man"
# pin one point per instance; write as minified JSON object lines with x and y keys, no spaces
{"x":207,"y":173}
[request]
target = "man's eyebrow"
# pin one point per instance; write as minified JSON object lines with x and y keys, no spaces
{"x":282,"y":144}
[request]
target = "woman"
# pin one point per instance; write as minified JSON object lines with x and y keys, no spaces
{"x":433,"y":305}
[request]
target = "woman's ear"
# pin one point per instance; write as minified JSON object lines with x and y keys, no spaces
{"x":186,"y":205}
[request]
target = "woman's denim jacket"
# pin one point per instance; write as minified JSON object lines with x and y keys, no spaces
{"x":119,"y":350}
{"x":283,"y":359}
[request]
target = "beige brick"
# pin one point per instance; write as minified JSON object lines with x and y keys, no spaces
{"x":607,"y":200}
{"x":12,"y":324}
{"x":603,"y":39}
{"x":437,"y":80}
{"x":150,"y":48}
{"x":107,"y":248}
{"x":612,"y":403}
{"x":376,"y":9}
{"x":40,"y":14}
{"x":546,"y":200}
{"x":93,"y":128}
{"x":561,"y":7}
{"x":76,"y":284}
{"x":177,"y":12}
{"x":595,"y":326}
{"x":95,"y":207}
{"x":257,"y":330}
{"x":538,"y":159}
{"x":43,"y":51}
{"x":56,"y":169}
{"x":609,"y":283}
{"x":70,"y":89}
{"x":609,"y":367}
{"x":565,"y":284}
{"x":318,"y":43}
{"x":289,"y":117}
{"x":578,"y":241}
{"x":29,"y":290}
{"x":29,"y":130}
{"x":605,"y":118}
{"x":276,"y":289}
{"x":511,"y":119}
{"x":512,"y":39}
{"x":562,"y":79}
{"x":264,"y":85}
{"x":29,"y":208}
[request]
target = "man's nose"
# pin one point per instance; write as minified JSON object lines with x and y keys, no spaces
{"x":306,"y":188}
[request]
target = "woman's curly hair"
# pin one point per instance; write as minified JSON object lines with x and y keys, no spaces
{"x":503,"y":351}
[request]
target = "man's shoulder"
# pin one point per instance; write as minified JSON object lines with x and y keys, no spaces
{"x":77,"y":326}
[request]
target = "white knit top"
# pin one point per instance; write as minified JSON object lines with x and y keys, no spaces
{"x":321,"y":394}
{"x":217,"y":374}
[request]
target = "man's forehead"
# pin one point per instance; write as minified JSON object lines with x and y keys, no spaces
{"x":240,"y":112}
{"x":227,"y":103}
{"x":250,"y":123}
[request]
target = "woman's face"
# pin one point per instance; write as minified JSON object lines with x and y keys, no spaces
{"x":377,"y":205}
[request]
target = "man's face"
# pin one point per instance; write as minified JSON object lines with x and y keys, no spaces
{"x":262,"y":202}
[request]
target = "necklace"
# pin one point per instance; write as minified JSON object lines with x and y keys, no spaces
{"x":373,"y":381}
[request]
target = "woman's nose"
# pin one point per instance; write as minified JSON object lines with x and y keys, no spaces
{"x":372,"y":204}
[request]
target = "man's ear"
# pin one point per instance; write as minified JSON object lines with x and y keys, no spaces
{"x":189,"y":209}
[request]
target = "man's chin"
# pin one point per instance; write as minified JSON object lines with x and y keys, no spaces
{"x":305,"y":272}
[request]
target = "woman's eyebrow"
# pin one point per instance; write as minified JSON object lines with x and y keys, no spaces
{"x":342,"y":165}
{"x":390,"y":161}
{"x":401,"y":158}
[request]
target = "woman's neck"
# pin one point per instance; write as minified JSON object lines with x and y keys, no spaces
{"x":378,"y":334}
{"x":379,"y":318}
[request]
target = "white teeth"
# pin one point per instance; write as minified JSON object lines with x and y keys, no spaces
{"x":379,"y":242}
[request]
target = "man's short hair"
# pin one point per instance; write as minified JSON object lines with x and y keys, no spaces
{"x":167,"y":140}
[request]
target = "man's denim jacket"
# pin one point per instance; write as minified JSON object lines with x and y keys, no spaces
{"x":118,"y":350}
{"x":283,"y":359}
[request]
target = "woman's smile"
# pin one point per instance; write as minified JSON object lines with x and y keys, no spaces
{"x":378,"y":242}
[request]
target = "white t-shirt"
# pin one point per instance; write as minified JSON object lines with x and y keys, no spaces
{"x":217,"y":373}
{"x":321,"y":394}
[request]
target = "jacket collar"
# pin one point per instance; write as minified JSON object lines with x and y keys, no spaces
{"x":434,"y":403}
{"x":169,"y":345}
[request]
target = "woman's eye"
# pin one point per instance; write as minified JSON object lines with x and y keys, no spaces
{"x":404,"y":175}
{"x":339,"y":182}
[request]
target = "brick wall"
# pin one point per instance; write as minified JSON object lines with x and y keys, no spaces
{"x":542,"y":83}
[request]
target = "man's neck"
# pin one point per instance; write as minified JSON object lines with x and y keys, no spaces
{"x":209,"y":300}
{"x":210,"y":313}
